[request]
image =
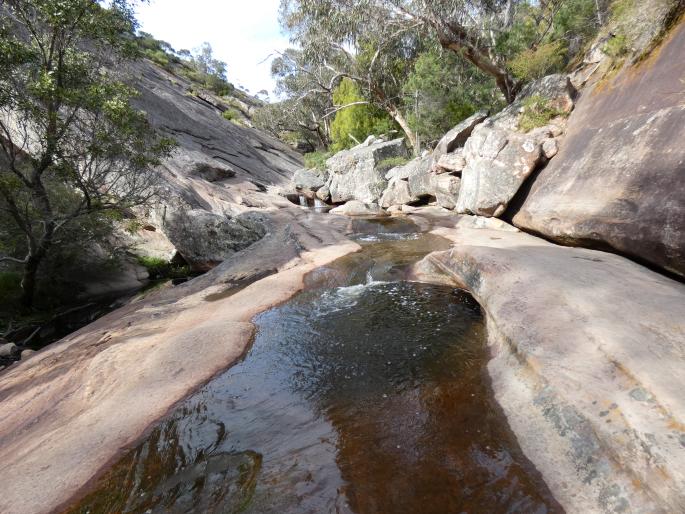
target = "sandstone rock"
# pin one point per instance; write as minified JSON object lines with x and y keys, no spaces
{"x":458,"y":135}
{"x":397,"y":193}
{"x":618,"y":180}
{"x":354,"y":174}
{"x":9,"y":350}
{"x":357,"y":208}
{"x":309,"y":180}
{"x":577,"y":336}
{"x":446,"y":189}
{"x":451,"y":162}
{"x":205,"y":239}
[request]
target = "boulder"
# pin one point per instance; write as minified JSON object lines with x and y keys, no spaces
{"x":354,"y":174}
{"x":456,"y":137}
{"x":451,"y":162}
{"x":205,"y":239}
{"x":324,"y":194}
{"x":357,"y":208}
{"x":9,"y":350}
{"x":308,"y":180}
{"x":446,"y":188}
{"x":499,"y":161}
{"x":417,"y":166}
{"x":25,"y":354}
{"x":618,"y":180}
{"x":397,"y":193}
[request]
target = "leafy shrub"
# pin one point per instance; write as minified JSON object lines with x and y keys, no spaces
{"x":230,"y":114}
{"x":537,"y":112}
{"x":533,"y":64}
{"x":159,"y":268}
{"x":390,"y":163}
{"x":617,"y":46}
{"x":316,"y":160}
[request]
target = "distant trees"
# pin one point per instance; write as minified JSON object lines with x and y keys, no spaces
{"x":414,"y":59}
{"x":73,"y":151}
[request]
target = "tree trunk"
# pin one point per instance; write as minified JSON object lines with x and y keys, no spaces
{"x":404,"y":125}
{"x":28,"y":281}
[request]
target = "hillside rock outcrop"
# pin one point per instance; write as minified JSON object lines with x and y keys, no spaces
{"x":618,"y":180}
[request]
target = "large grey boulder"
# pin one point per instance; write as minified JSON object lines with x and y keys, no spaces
{"x":9,"y":350}
{"x":205,"y":239}
{"x":458,"y":135}
{"x":308,"y":180}
{"x":397,"y":193}
{"x":446,"y":188}
{"x":453,"y":162}
{"x":354,"y":173}
{"x":498,"y":162}
{"x":618,"y":180}
{"x":417,"y":166}
{"x":500,"y":156}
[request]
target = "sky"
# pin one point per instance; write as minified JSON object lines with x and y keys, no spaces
{"x":243,"y":33}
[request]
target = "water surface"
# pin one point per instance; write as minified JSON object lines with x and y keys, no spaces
{"x":364,"y":393}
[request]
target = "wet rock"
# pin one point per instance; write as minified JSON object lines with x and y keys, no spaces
{"x":456,"y":137}
{"x":9,"y":350}
{"x":354,"y":174}
{"x":397,"y":193}
{"x":618,"y":179}
{"x":357,"y":208}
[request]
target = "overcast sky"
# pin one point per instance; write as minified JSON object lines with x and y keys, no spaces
{"x":242,"y":33}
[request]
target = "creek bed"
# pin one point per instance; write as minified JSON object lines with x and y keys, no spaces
{"x":364,"y":393}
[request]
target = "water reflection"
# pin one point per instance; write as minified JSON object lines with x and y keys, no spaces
{"x":370,"y":397}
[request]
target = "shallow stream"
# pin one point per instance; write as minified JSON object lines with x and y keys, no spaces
{"x":364,"y":393}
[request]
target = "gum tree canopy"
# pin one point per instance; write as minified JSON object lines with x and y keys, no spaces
{"x":71,"y":145}
{"x":468,"y":27}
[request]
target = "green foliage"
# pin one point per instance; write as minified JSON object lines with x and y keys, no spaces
{"x":531,"y":64}
{"x":230,"y":114}
{"x":316,"y":160}
{"x":159,"y":268}
{"x":537,"y":112}
{"x":355,"y":123}
{"x":442,"y":90}
{"x":390,"y":163}
{"x":617,"y":46}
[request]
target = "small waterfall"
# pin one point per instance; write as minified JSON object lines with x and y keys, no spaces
{"x":318,"y":204}
{"x":303,"y":201}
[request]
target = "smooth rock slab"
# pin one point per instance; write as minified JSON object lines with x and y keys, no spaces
{"x":589,"y":364}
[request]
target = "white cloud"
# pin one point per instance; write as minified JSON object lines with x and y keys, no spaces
{"x":243,"y":33}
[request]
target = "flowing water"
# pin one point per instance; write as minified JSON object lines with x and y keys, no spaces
{"x":364,"y":393}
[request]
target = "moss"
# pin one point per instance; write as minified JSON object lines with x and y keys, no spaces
{"x":537,"y":112}
{"x":617,"y":46}
{"x":390,"y":163}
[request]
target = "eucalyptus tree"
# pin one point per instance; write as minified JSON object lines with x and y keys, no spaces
{"x":72,"y":147}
